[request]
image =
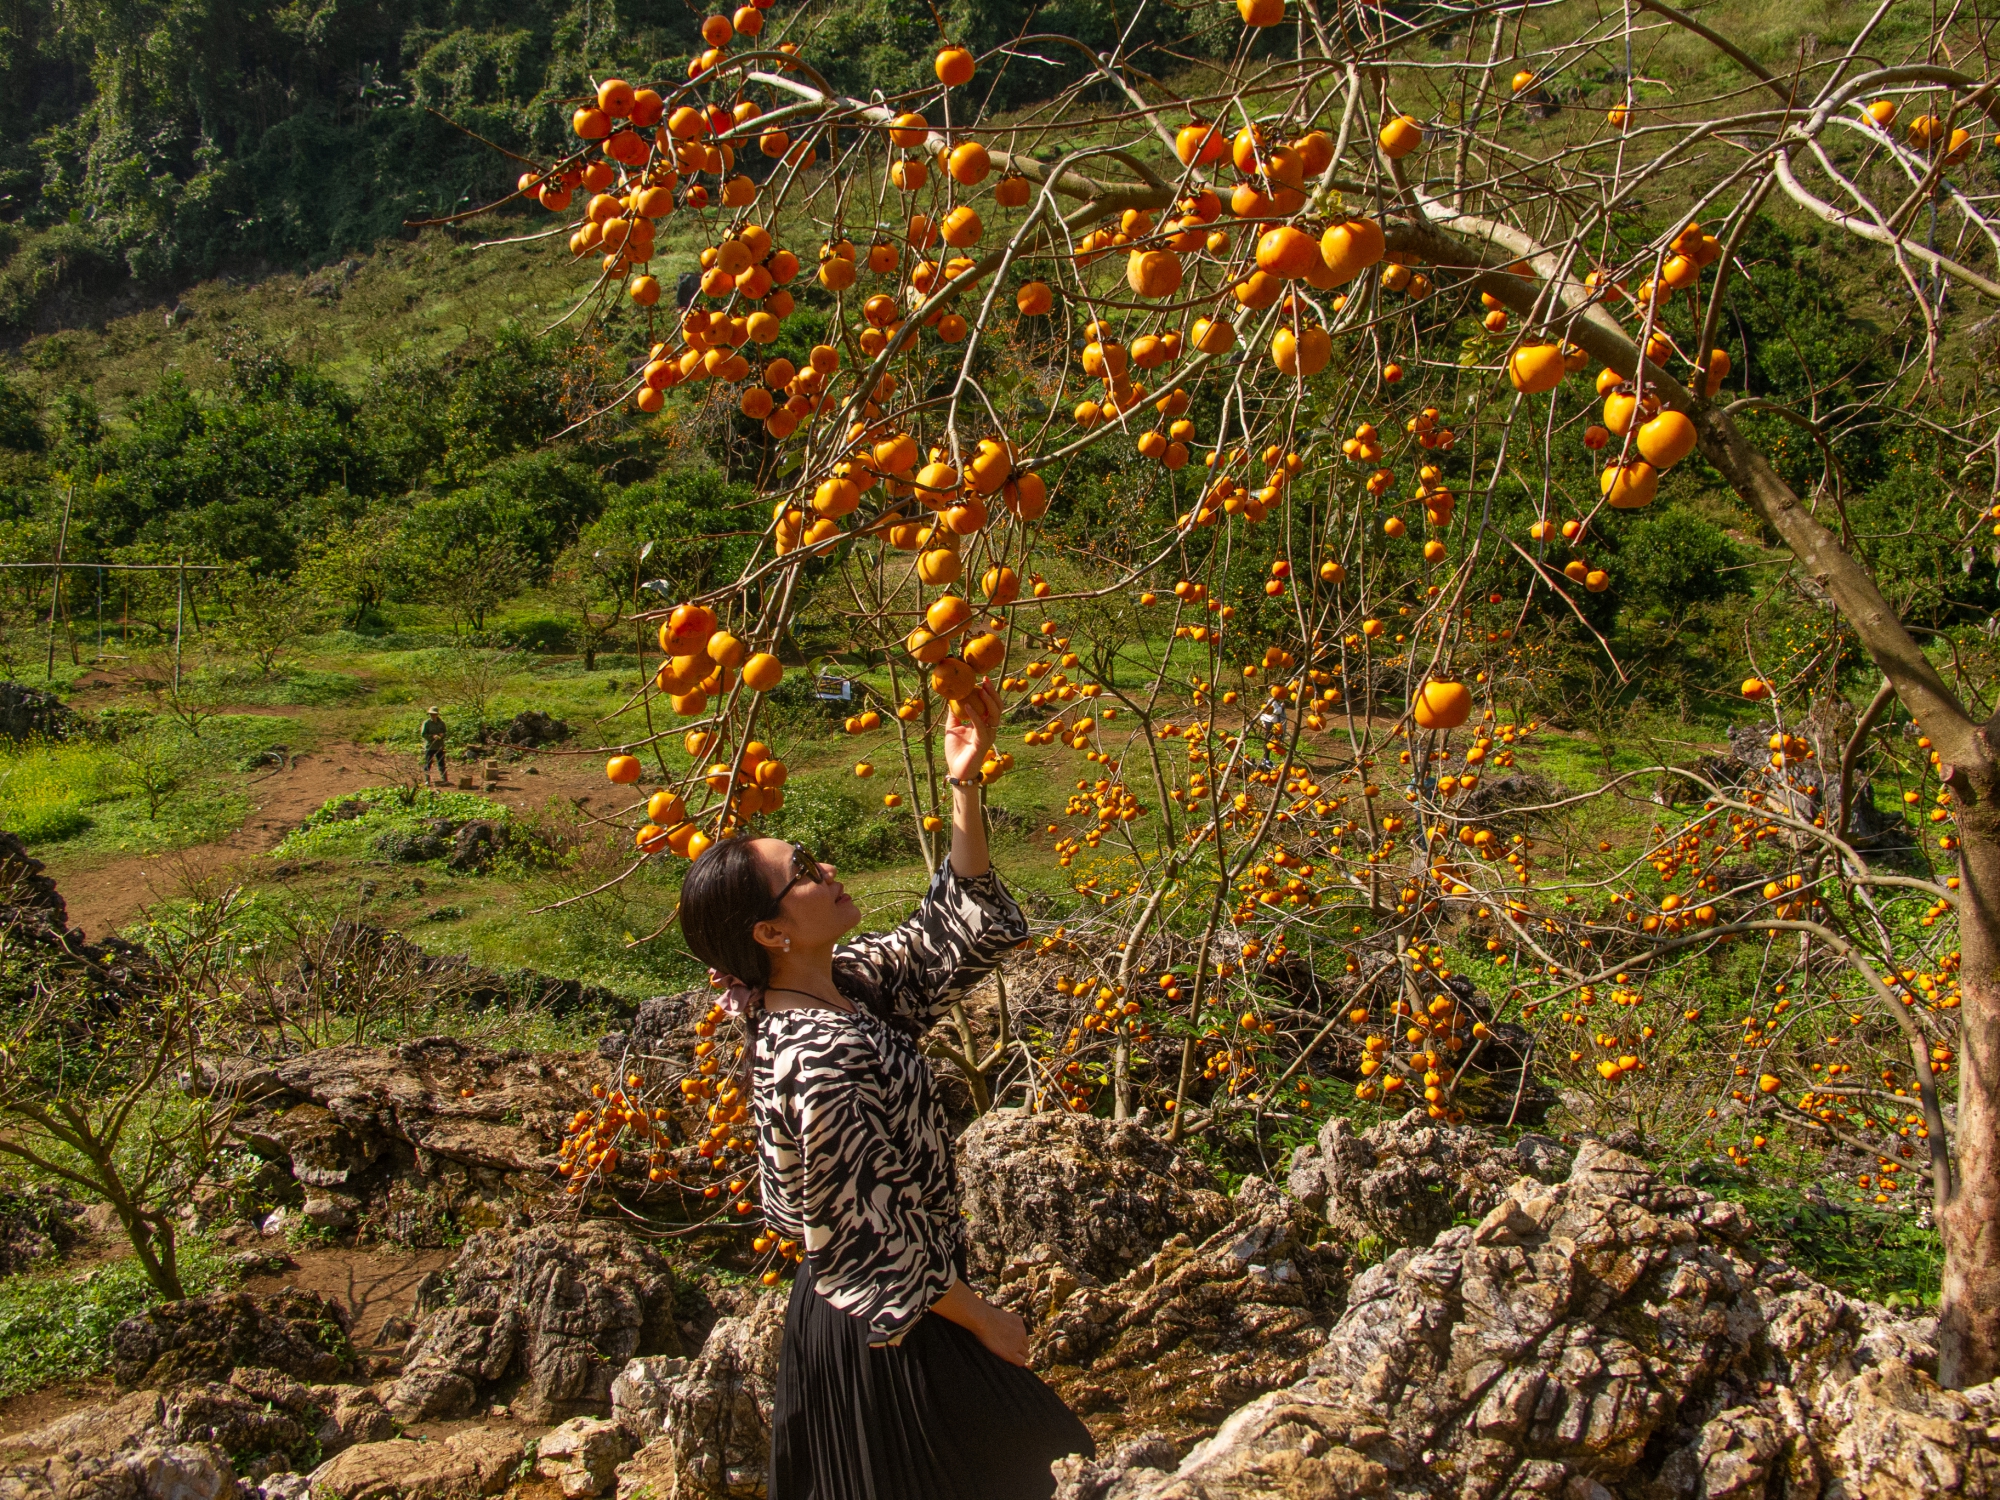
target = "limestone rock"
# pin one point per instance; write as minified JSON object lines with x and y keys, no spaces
{"x":1102,"y":1195}
{"x":302,"y":1334}
{"x":406,"y":1143}
{"x":1608,"y":1337}
{"x":647,"y":1475}
{"x":469,"y":1464}
{"x":1892,"y":1431}
{"x":94,"y":1430}
{"x":349,"y":1414}
{"x":583,"y":1455}
{"x":245,"y":1426}
{"x":639,"y":1394}
{"x":1405,"y":1181}
{"x":1191,"y":1332}
{"x":139,"y":1447}
{"x":714,"y":1414}
{"x":564,"y":1309}
{"x":453,"y":1353}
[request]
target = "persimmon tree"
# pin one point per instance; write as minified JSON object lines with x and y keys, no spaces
{"x":1241,"y":430}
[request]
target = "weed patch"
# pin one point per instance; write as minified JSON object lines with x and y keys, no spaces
{"x":56,"y":1325}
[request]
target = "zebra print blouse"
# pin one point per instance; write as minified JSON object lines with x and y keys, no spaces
{"x":851,"y":1138}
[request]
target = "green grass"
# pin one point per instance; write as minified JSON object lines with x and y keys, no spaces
{"x":56,"y":1325}
{"x":328,"y":835}
{"x":81,"y":796}
{"x":285,"y":687}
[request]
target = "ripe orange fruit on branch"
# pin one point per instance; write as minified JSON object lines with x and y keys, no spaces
{"x":1667,"y":439}
{"x":622,"y":769}
{"x":1213,"y":336}
{"x":962,"y":227}
{"x":1756,"y":689}
{"x":1351,"y":247}
{"x":1286,"y":252}
{"x":954,"y":67}
{"x":1026,"y":497}
{"x":969,"y":163}
{"x":1442,"y":705}
{"x":615,"y":98}
{"x":1153,"y":273}
{"x":1535,"y":368}
{"x":948,"y":615}
{"x":762,"y":672}
{"x":687,"y":630}
{"x":1302,"y":354}
{"x":1629,"y":486}
{"x":1400,"y":137}
{"x":1261,"y":12}
{"x":1198,"y":144}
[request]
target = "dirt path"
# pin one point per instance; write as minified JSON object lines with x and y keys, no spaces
{"x":105,"y":892}
{"x":375,"y":1285}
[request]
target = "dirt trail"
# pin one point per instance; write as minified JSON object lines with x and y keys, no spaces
{"x":376,"y":1285}
{"x":104,"y":892}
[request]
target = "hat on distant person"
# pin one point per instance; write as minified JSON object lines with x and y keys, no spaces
{"x":432,"y":709}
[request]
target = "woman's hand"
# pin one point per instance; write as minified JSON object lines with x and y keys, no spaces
{"x":966,"y":739}
{"x":1003,"y":1333}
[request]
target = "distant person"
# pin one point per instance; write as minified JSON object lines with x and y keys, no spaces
{"x":434,"y":733}
{"x":1271,"y":725}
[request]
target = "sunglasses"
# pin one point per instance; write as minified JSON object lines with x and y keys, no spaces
{"x":805,"y":871}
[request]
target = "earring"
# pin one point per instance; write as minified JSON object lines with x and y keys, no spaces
{"x":788,"y":945}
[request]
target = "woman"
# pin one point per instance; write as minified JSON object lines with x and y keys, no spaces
{"x":896,"y":1380}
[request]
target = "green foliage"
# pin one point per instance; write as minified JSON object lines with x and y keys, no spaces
{"x":1881,"y":1256}
{"x":56,"y":1325}
{"x":238,"y":479}
{"x":1673,"y":558}
{"x":338,"y":831}
{"x":842,"y":828}
{"x":92,"y":793}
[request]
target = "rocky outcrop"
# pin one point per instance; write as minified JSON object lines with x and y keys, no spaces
{"x":33,"y":713}
{"x":705,"y":1421}
{"x":1405,"y":1181}
{"x":34,"y":921}
{"x":464,"y":1466}
{"x":1610,"y":1337}
{"x":663,"y":1028}
{"x":1193,"y":1330}
{"x":300,"y":1334}
{"x":557,"y":1312}
{"x":1094,"y":1195}
{"x":37,"y":1224}
{"x":582,"y":1456}
{"x":414,"y":1141}
{"x":527,"y":730}
{"x":191,"y":1439}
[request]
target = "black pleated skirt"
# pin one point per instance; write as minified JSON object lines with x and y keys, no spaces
{"x":936,"y":1417}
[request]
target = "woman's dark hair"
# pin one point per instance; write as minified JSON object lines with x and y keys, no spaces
{"x":724,"y":896}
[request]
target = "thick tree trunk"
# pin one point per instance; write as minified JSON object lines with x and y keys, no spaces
{"x":1969,"y":1308}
